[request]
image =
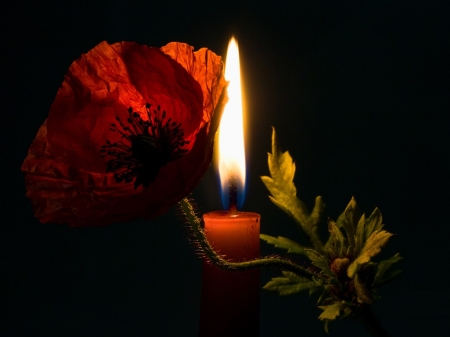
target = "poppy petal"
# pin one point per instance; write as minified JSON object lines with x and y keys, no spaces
{"x":65,"y":174}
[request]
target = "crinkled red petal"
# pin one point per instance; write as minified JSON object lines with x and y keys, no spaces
{"x":65,"y":174}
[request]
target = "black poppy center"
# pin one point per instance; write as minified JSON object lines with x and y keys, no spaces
{"x":145,"y":146}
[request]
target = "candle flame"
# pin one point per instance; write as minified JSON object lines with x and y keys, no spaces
{"x":231,"y":132}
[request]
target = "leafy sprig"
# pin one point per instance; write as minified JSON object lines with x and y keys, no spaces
{"x":345,"y":258}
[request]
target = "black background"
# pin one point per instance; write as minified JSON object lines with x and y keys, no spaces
{"x":358,"y":93}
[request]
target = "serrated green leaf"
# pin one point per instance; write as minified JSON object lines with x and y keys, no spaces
{"x":280,"y":203}
{"x":319,"y":261}
{"x":372,"y":247}
{"x":363,"y":294}
{"x":318,"y":211}
{"x":353,"y":213}
{"x":281,"y":167}
{"x":290,"y":284}
{"x":283,"y":193}
{"x":360,"y":234}
{"x":331,"y":312}
{"x":350,"y":221}
{"x":389,"y":276}
{"x":384,"y":266}
{"x":283,"y":243}
{"x":337,"y":240}
{"x":340,"y":219}
{"x":320,"y":285}
{"x":287,"y":202}
{"x":373,"y":223}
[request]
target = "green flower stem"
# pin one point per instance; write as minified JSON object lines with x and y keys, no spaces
{"x":365,"y":315}
{"x":220,"y":262}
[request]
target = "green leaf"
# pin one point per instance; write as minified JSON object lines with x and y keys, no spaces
{"x":360,"y":235}
{"x":373,"y":223}
{"x":337,"y":240}
{"x":352,"y":214}
{"x":319,"y":261}
{"x":384,"y":266}
{"x":332,"y":311}
{"x":290,"y":284}
{"x":281,"y":203}
{"x":318,"y":211}
{"x":283,"y":193}
{"x":284,"y":243}
{"x":287,"y":202}
{"x":340,"y":219}
{"x":389,"y":276}
{"x":282,"y":168}
{"x":372,"y":247}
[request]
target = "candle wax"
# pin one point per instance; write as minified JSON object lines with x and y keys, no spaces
{"x":230,"y":300}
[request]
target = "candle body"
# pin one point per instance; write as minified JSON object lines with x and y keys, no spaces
{"x":230,"y":300}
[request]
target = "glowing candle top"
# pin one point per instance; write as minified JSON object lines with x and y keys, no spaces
{"x":231,"y":133}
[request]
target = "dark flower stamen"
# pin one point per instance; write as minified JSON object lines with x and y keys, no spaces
{"x":146,"y":146}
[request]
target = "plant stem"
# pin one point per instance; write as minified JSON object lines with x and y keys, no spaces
{"x":220,"y":262}
{"x":365,"y":315}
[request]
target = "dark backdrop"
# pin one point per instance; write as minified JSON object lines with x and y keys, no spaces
{"x":358,"y":93}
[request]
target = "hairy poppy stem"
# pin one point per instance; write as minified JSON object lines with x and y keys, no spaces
{"x":220,"y":262}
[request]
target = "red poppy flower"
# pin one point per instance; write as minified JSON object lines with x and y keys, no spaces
{"x":129,"y":134}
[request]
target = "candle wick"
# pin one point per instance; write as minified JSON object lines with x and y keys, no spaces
{"x":232,"y":190}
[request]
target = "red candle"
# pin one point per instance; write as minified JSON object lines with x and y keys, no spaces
{"x":230,"y":300}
